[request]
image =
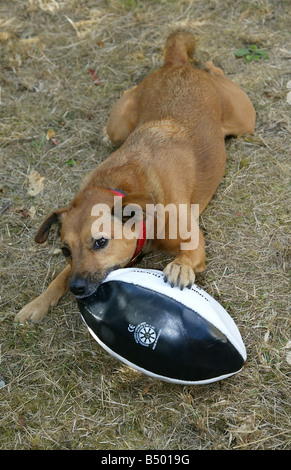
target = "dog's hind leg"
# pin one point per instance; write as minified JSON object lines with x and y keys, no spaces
{"x":237,"y":112}
{"x":39,"y":307}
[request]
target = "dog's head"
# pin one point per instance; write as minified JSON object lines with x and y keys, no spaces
{"x":97,"y":235}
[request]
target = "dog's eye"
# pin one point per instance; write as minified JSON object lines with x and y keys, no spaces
{"x":66,"y":252}
{"x":101,"y":243}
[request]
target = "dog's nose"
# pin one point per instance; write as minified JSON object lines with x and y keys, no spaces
{"x":77,"y":285}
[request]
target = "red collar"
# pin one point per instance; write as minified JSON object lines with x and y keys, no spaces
{"x":142,"y":235}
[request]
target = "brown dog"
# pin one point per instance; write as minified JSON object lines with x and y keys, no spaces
{"x":173,"y":126}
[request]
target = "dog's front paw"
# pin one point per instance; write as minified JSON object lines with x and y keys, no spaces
{"x":181,"y":275}
{"x":33,"y":312}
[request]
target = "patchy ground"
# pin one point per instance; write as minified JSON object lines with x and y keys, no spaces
{"x":63,"y":65}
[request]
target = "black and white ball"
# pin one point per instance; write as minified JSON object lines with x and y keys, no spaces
{"x":184,"y":337}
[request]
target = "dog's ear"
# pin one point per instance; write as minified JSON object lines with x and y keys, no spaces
{"x":44,"y":230}
{"x":135,"y":203}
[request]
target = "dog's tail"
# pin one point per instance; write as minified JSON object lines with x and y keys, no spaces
{"x":179,"y":47}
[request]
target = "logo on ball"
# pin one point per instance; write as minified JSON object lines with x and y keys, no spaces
{"x":144,"y":334}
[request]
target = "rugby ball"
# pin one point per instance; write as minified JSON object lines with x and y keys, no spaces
{"x":184,"y":337}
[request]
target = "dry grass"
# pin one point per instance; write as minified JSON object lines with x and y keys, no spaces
{"x":61,"y":390}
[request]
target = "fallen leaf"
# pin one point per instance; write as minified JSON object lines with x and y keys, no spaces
{"x":35,"y":183}
{"x":32,"y":212}
{"x":25,"y":212}
{"x":51,"y":135}
{"x":19,"y":210}
{"x":55,"y":251}
{"x":289,"y":97}
{"x":94,"y":76}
